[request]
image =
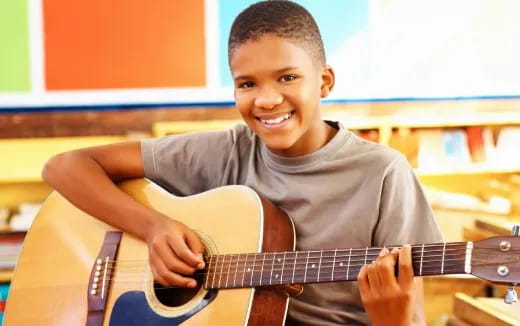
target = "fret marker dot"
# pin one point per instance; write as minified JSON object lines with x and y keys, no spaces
{"x":340,"y":264}
{"x":279,"y":259}
{"x":249,"y":269}
{"x":276,"y":276}
{"x":313,"y":265}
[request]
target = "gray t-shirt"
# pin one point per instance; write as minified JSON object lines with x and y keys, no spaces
{"x":351,"y":193}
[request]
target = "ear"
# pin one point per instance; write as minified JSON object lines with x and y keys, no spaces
{"x":327,"y":81}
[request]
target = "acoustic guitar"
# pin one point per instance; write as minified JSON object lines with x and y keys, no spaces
{"x":77,"y":270}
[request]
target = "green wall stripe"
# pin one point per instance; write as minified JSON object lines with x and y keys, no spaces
{"x":14,"y":46}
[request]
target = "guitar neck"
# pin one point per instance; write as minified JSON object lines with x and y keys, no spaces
{"x":300,"y":267}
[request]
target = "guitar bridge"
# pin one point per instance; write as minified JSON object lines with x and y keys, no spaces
{"x":100,"y":278}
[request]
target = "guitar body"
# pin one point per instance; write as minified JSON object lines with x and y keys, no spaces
{"x":51,"y":280}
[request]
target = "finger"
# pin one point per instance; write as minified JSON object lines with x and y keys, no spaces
{"x":373,"y":278}
{"x":173,"y":263}
{"x":405,"y":267}
{"x":196,"y":247}
{"x":386,"y":268}
{"x":172,"y":278}
{"x":157,"y":277}
{"x":362,"y":278}
{"x":383,"y":252}
{"x":181,"y":249}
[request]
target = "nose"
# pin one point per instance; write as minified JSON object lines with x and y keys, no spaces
{"x":268,"y":98}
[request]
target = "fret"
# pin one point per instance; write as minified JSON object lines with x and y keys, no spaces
{"x":366,"y":255}
{"x":319,"y":265}
{"x":229,"y":269}
{"x":214,"y":273}
{"x":272,"y":267}
{"x":252,"y":269}
{"x":443,"y":252}
{"x":257,"y":269}
{"x":306,"y":265}
{"x":221,"y":269}
{"x":348,"y":264}
{"x":294,"y":266}
{"x":210,"y":264}
{"x":283,"y":267}
{"x":244,"y":272}
{"x":260,"y":282}
{"x":422,"y":255}
{"x":333,"y":265}
{"x":279,"y":262}
{"x":236,"y":271}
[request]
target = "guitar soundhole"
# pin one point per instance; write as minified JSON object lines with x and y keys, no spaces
{"x":177,"y":296}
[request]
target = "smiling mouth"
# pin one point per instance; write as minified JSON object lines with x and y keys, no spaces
{"x":276,"y":121}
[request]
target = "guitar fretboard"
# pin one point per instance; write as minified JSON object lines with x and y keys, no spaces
{"x":299,"y":267}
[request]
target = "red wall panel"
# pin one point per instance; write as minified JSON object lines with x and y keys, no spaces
{"x":124,"y":44}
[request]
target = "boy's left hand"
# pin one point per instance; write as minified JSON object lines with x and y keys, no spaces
{"x":388,"y":300}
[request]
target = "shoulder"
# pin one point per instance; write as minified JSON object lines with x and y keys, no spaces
{"x":375,"y":156}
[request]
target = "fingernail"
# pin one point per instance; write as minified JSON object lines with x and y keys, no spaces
{"x":383,"y":252}
{"x":394,"y":250}
{"x":407,"y":246}
{"x":191,"y":284}
{"x":201,"y":264}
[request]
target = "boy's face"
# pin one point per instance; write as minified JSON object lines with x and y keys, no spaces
{"x":278,"y":86}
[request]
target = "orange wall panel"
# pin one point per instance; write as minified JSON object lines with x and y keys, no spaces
{"x":124,"y":44}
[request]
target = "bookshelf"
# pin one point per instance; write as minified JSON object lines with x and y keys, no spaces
{"x":20,"y":172}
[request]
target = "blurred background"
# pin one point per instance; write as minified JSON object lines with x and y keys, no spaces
{"x":438,"y":80}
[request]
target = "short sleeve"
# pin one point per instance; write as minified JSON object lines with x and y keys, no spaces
{"x":405,"y":216}
{"x":190,"y":163}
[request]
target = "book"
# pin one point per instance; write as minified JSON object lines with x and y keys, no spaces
{"x":476,"y":144}
{"x":507,"y":152}
{"x":456,"y":149}
{"x":431,"y":155}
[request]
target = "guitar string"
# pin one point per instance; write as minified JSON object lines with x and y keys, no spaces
{"x":290,"y":268}
{"x":295,"y":263}
{"x":251,"y":256}
{"x":299,"y":261}
{"x":303,"y":261}
{"x":352,"y":276}
{"x":255,"y":262}
{"x":426,"y":269}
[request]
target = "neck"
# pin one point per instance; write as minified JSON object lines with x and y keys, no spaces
{"x":300,"y":267}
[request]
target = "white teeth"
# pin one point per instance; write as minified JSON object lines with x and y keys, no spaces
{"x":277,"y":120}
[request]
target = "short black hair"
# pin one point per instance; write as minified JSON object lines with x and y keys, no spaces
{"x":281,"y":18}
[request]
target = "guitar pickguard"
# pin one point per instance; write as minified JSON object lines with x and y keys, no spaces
{"x":132,"y":309}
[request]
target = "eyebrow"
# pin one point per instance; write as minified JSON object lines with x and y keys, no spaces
{"x":279,"y":71}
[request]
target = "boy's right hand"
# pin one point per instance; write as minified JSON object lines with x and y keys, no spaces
{"x":174,"y":251}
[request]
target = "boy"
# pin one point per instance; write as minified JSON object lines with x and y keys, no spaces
{"x":340,"y":190}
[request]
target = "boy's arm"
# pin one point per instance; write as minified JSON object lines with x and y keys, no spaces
{"x":86,"y":178}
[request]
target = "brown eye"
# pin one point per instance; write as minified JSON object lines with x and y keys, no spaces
{"x":246,"y":85}
{"x":287,"y":78}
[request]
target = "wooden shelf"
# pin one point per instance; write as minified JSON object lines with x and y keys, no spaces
{"x":6,"y":276}
{"x":485,"y":311}
{"x":468,"y":171}
{"x":432,"y":120}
